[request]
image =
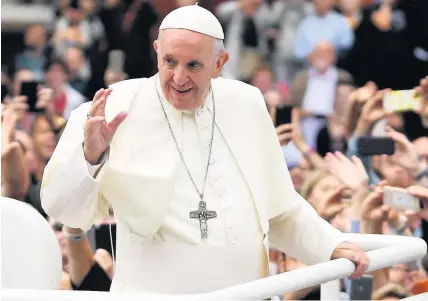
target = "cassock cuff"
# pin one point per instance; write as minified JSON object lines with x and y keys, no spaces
{"x":94,"y":169}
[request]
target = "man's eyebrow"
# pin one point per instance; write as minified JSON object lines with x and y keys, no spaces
{"x":194,"y":61}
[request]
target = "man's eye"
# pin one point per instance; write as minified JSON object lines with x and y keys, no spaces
{"x":169,"y":62}
{"x":194,"y":65}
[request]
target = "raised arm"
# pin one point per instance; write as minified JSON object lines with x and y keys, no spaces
{"x":71,"y":181}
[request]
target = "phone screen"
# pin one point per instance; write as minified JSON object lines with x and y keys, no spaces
{"x":4,"y":92}
{"x":361,"y":289}
{"x":29,"y":89}
{"x":400,"y":199}
{"x":102,"y":237}
{"x":283,"y":114}
{"x":369,"y":146}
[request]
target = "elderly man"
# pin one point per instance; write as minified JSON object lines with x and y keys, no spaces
{"x":191,"y":164}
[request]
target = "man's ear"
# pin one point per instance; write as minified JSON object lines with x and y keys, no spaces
{"x":221,"y":61}
{"x":156,"y":45}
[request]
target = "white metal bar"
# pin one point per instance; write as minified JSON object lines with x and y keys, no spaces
{"x":330,"y":290}
{"x":386,"y":250}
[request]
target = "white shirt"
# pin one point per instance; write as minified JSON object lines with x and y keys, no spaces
{"x":319,"y":99}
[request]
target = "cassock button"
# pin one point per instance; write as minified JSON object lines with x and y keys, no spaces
{"x":204,"y":128}
{"x":212,"y":161}
{"x":199,"y":112}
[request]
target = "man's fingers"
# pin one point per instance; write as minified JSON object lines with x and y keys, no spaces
{"x":285,"y":138}
{"x":19,"y":99}
{"x":284,"y":128}
{"x":98,"y":107}
{"x":419,"y":192}
{"x":335,"y":195}
{"x":361,"y":267}
{"x":98,"y":95}
{"x":117,"y":120}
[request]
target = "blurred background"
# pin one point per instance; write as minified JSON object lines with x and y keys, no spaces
{"x":329,"y":71}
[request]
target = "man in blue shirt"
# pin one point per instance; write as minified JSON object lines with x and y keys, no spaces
{"x":325,"y":25}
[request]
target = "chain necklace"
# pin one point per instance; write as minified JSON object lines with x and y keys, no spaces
{"x":202,"y":213}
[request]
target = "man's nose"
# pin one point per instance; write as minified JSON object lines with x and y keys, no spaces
{"x":180,"y":76}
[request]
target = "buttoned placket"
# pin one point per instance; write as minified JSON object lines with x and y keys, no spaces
{"x":217,"y":181}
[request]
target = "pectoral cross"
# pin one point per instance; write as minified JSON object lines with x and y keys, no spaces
{"x":203,"y":214}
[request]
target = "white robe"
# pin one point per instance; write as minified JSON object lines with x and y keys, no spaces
{"x":158,"y":246}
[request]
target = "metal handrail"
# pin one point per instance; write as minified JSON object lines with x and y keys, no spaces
{"x":383,"y":251}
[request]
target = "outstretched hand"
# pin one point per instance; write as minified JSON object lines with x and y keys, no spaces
{"x":351,"y":172}
{"x":99,"y":133}
{"x":405,"y":154}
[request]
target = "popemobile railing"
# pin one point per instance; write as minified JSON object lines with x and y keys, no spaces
{"x":383,"y":251}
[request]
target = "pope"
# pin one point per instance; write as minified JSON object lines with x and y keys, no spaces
{"x":192,"y":167}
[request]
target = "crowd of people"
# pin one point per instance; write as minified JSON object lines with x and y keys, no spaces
{"x":333,"y":61}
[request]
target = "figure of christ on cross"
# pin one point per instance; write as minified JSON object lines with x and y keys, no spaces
{"x":203,"y":214}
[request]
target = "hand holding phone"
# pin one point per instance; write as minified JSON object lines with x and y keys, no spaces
{"x":29,"y":90}
{"x":400,"y":199}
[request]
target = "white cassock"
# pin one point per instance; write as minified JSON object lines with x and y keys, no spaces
{"x":159,"y":247}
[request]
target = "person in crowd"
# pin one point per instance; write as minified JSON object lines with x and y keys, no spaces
{"x":325,"y":25}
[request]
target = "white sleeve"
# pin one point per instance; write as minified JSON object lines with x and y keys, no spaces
{"x":69,"y":192}
{"x":92,"y":169}
{"x":294,"y":226}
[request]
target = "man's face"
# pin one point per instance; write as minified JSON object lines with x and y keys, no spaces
{"x":323,"y":6}
{"x":322,"y":57}
{"x":187,"y":61}
{"x":421,"y":147}
{"x":55,"y":76}
{"x":35,"y":36}
{"x":44,"y":138}
{"x":73,"y":57}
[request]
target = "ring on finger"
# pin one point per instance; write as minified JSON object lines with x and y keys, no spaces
{"x":88,"y":115}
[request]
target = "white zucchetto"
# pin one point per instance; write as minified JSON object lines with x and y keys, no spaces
{"x":194,"y":18}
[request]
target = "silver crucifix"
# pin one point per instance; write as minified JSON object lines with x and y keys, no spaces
{"x":203,"y":215}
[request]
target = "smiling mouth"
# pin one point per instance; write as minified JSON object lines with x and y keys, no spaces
{"x":182,"y":91}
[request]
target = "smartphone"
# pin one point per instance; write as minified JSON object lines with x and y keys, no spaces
{"x":400,"y":199}
{"x":402,"y":100}
{"x":369,"y":146}
{"x":29,"y":89}
{"x":116,"y":61}
{"x":102,"y":237}
{"x":283,"y":114}
{"x":4,"y":92}
{"x":361,"y":289}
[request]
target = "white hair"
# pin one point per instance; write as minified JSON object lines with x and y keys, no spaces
{"x":218,"y":46}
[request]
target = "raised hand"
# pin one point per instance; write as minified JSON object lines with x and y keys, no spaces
{"x":351,"y":172}
{"x":331,"y":204}
{"x":285,"y":133}
{"x":422,"y":194}
{"x":422,"y":89}
{"x":405,"y":154}
{"x":373,"y":209}
{"x":8,"y":122}
{"x":99,"y":133}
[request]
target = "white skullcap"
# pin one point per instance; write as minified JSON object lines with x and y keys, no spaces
{"x":194,"y":18}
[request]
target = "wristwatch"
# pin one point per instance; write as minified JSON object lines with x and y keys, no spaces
{"x":422,"y":173}
{"x":400,"y":230}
